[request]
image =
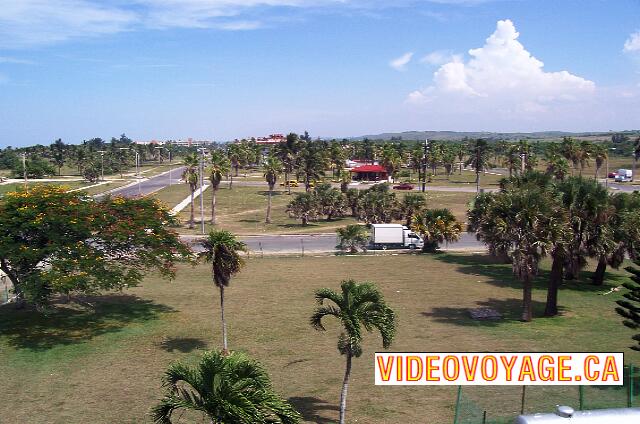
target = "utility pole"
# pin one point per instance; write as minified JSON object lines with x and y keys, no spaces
{"x":102,"y":152}
{"x":24,"y":170}
{"x":424,"y":165}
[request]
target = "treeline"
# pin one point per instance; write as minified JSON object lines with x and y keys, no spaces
{"x":88,"y":159}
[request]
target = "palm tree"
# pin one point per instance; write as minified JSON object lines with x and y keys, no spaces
{"x":512,"y":159}
{"x":478,"y":158}
{"x":272,"y":167}
{"x":221,"y":249}
{"x":353,"y":237}
{"x":190,"y":176}
{"x":601,"y":155}
{"x":225,"y":388}
{"x":531,"y":222}
{"x":557,"y":165}
{"x":358,"y":305}
{"x":391,"y":160}
{"x":436,"y":226}
{"x":571,"y":151}
{"x":220,"y":166}
{"x":412,"y":204}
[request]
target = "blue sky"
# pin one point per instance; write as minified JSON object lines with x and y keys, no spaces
{"x":221,"y":69}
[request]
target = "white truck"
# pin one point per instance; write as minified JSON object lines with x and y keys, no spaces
{"x":624,"y":176}
{"x":384,"y":236}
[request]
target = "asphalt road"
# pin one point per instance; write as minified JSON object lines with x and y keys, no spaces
{"x":318,"y":243}
{"x":150,"y":185}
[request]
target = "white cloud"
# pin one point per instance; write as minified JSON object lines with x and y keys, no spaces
{"x":502,"y":74}
{"x":400,"y":63}
{"x":30,"y":22}
{"x":36,"y":22}
{"x":633,"y":43}
{"x":15,"y":61}
{"x":440,"y":57}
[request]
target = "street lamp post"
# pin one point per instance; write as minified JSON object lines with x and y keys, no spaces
{"x":24,"y":170}
{"x":424,"y":165}
{"x":137,"y":169}
{"x":202,"y":150}
{"x":102,"y":152}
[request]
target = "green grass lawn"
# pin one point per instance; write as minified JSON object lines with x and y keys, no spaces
{"x":76,"y":365}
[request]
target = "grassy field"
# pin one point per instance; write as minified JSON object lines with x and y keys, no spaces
{"x":242,"y":210}
{"x":78,"y":365}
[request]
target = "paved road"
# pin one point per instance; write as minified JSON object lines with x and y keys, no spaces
{"x":318,"y":243}
{"x":150,"y":185}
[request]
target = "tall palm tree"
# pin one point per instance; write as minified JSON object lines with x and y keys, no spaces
{"x":190,"y":176}
{"x":512,"y":159}
{"x":272,"y":167}
{"x":570,"y":149}
{"x":601,"y":155}
{"x":225,"y":388}
{"x":436,"y":226}
{"x":531,"y":221}
{"x":221,"y":249}
{"x":220,"y":166}
{"x":478,"y":158}
{"x":358,"y":305}
{"x":557,"y":165}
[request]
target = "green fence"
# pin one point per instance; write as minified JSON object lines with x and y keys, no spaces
{"x":502,"y":404}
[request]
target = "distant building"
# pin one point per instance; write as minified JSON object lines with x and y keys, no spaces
{"x":369,"y":173}
{"x":187,"y":143}
{"x":271,"y":139}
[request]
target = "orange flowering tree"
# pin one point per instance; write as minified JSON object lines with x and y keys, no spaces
{"x":57,"y":242}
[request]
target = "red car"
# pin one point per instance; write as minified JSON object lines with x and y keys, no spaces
{"x":612,"y":174}
{"x":403,"y":186}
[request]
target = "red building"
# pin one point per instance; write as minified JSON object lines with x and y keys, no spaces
{"x":369,"y":173}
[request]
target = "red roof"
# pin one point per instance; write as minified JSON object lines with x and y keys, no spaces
{"x":369,"y":168}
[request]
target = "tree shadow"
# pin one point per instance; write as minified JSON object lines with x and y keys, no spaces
{"x":510,"y":309}
{"x":274,"y":193}
{"x":501,"y":275}
{"x":314,"y":409}
{"x":309,"y":225}
{"x":66,"y":324}
{"x":253,"y":221}
{"x":182,"y":344}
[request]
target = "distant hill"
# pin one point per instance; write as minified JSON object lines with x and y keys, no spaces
{"x":458,"y":135}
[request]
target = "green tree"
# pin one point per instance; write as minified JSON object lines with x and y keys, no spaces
{"x":311,"y":163}
{"x":304,"y":206}
{"x":478,"y":158}
{"x":530,"y":221}
{"x":436,"y":226}
{"x":222,"y":251}
{"x":58,"y":150}
{"x":287,"y":151}
{"x":226,"y":389}
{"x":219,"y":167}
{"x":352,"y":238}
{"x":600,"y":155}
{"x":378,"y":205}
{"x":629,"y":307}
{"x":412,"y":204}
{"x":190,"y":177}
{"x":331,"y":201}
{"x":358,"y":305}
{"x":390,"y":160}
{"x":59,"y":242}
{"x":271,"y":168}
